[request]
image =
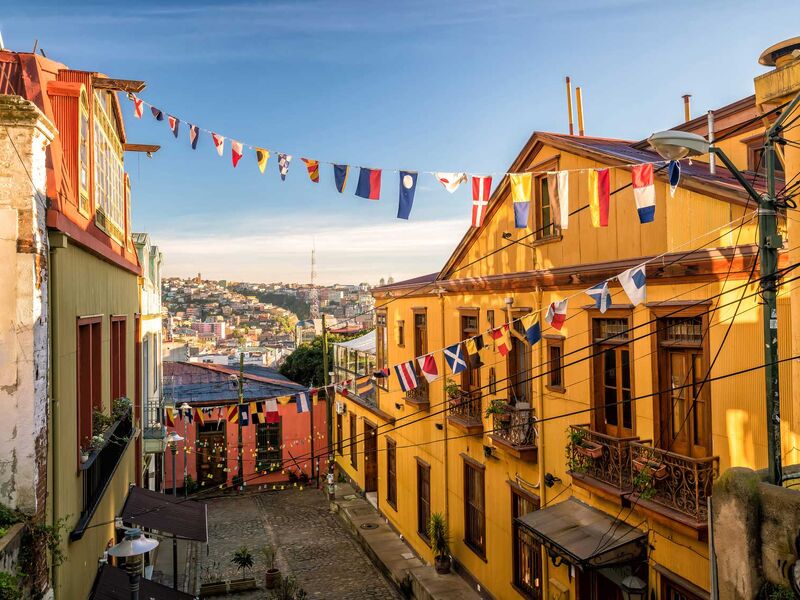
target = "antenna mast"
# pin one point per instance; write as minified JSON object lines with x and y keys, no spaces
{"x":313,"y":295}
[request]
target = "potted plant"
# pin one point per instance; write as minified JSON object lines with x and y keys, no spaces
{"x":452,"y":389}
{"x":84,"y":454}
{"x":287,"y":589}
{"x":243,"y":560}
{"x":499,"y":408}
{"x":588,"y":448}
{"x":643,"y":484}
{"x":655,"y":469}
{"x":121,"y":409}
{"x":272,"y":574}
{"x":100,"y":422}
{"x":437,"y":534}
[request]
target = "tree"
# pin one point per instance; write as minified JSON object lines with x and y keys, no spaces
{"x":304,"y":365}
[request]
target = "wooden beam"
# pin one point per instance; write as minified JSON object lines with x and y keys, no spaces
{"x":150,"y":148}
{"x":118,"y":85}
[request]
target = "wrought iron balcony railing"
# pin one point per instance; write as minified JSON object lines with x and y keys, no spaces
{"x":467,"y":406}
{"x":676,"y":482}
{"x":515,"y":426}
{"x":419,"y":395}
{"x":602,"y":457}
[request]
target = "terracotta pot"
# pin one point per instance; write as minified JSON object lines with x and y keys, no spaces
{"x":270,"y":578}
{"x":589,"y":449}
{"x":658,"y":471}
{"x":442,"y":564}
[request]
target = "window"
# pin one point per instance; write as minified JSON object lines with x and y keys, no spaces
{"x":381,"y":347}
{"x":611,"y":362}
{"x":109,"y":194}
{"x":470,"y":377}
{"x":526,"y":551}
{"x":83,"y":156}
{"x":555,"y":364}
{"x":755,"y":157}
{"x":423,"y":498}
{"x":519,"y":365}
{"x":544,"y":226}
{"x":353,"y":441}
{"x":391,"y":473}
{"x":339,"y":434}
{"x":474,"y":507}
{"x":90,"y":375}
{"x":118,"y":357}
{"x":401,"y":333}
{"x":421,"y":348}
{"x":676,"y":591}
{"x":268,"y":447}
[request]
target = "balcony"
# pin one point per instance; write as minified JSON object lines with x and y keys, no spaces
{"x":465,"y":412}
{"x":98,"y":471}
{"x":513,"y":430}
{"x":673,"y":485}
{"x":600,"y":461}
{"x":419,"y":396}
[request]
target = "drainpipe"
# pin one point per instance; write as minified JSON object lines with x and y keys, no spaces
{"x":538,"y":297}
{"x":53,"y":453}
{"x":444,"y":420}
{"x":712,"y":159}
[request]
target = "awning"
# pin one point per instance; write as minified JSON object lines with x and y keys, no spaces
{"x":186,"y":519}
{"x":364,"y":343}
{"x":585,"y":536}
{"x":113,"y":584}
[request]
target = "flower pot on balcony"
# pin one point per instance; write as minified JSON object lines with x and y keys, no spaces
{"x":589,"y":449}
{"x":658,"y":471}
{"x":442,"y":564}
{"x":271,"y":578}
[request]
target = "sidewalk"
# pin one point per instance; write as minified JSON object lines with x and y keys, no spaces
{"x":392,"y":555}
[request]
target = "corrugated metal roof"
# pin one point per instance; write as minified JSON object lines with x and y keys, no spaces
{"x":112,"y":583}
{"x":187,"y":519}
{"x":364,"y":343}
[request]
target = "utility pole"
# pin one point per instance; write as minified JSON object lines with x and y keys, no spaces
{"x":239,"y":479}
{"x":328,"y":399}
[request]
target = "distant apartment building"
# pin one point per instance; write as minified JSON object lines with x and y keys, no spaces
{"x":217,"y":328}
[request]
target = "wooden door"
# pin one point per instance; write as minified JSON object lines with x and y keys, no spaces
{"x":211,"y":455}
{"x":613,"y":386}
{"x":370,"y":458}
{"x":684,"y":407}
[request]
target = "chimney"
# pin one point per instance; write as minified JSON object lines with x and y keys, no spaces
{"x":781,"y":54}
{"x":687,"y":110}
{"x":579,"y":102}
{"x":569,"y":106}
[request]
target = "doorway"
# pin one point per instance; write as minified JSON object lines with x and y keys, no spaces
{"x":370,"y":457}
{"x":211,"y":457}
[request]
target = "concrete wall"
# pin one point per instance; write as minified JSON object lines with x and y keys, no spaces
{"x":24,"y":138}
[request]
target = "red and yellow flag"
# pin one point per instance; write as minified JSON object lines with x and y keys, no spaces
{"x":262,"y":156}
{"x":313,"y":169}
{"x":233,"y":413}
{"x":199,"y":416}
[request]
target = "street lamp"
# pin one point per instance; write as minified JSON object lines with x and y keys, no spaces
{"x":633,"y":588}
{"x":184,"y":407}
{"x":674,"y":145}
{"x":131,"y":548}
{"x":172,"y":439}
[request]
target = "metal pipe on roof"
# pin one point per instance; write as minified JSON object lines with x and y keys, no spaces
{"x":569,"y":106}
{"x":712,"y":159}
{"x":579,"y":102}
{"x":687,"y":112}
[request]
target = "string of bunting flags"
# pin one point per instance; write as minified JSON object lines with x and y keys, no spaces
{"x":369,"y":181}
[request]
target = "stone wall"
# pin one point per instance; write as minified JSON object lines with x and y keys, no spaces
{"x":756,"y":535}
{"x":24,"y":341}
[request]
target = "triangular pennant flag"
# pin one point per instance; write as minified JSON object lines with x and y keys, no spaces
{"x":284,"y":400}
{"x":283,"y":164}
{"x":174,"y":124}
{"x":369,"y":184}
{"x":532,"y":327}
{"x":194,"y":135}
{"x":169,"y":416}
{"x":236,"y":152}
{"x":219,"y":143}
{"x":674,"y":176}
{"x":313,"y":169}
{"x":159,"y":116}
{"x":138,"y":106}
{"x":601,"y":296}
{"x":557,"y":314}
{"x":427,"y":364}
{"x":634,"y":282}
{"x":302,"y":402}
{"x":451,"y":181}
{"x":454,"y":355}
{"x":408,"y":187}
{"x":481,"y":189}
{"x":599,"y":196}
{"x":262,"y":156}
{"x":200,"y":416}
{"x":340,"y":173}
{"x":407,"y":376}
{"x":521,"y":197}
{"x":644,"y":192}
{"x":558,"y":190}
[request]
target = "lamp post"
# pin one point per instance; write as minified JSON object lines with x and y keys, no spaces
{"x":184,"y":407}
{"x":633,"y":588}
{"x":131,"y":548}
{"x":674,"y":145}
{"x":172,"y":440}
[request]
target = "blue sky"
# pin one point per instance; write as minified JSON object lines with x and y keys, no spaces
{"x":430,"y":86}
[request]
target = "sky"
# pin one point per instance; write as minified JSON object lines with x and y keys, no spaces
{"x":452,"y":85}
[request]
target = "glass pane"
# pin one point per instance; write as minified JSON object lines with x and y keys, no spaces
{"x":625,"y":368}
{"x":698,"y":410}
{"x":612,"y":328}
{"x":611,"y":405}
{"x":627,"y":410}
{"x":678,"y":378}
{"x":610,"y":368}
{"x":686,"y":330}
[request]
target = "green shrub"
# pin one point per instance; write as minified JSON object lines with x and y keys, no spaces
{"x":8,"y":517}
{"x":9,"y":586}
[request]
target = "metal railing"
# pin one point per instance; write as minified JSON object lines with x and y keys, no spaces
{"x":467,"y":406}
{"x":419,"y":394}
{"x":680,"y":483}
{"x":515,"y":426}
{"x":602,"y":457}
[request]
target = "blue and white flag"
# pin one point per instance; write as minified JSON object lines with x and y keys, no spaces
{"x":174,"y":124}
{"x":601,"y":296}
{"x":407,"y":376}
{"x":454,"y":355}
{"x":283,"y":164}
{"x":408,"y":186}
{"x":302,"y":402}
{"x":674,"y":177}
{"x":194,"y":135}
{"x":634,"y":282}
{"x":244,"y":414}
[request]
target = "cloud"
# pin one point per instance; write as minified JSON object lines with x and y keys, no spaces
{"x":280,"y":250}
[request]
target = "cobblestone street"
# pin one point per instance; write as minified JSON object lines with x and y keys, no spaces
{"x":312,"y":544}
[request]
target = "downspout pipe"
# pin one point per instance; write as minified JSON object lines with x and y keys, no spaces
{"x":444,"y":419}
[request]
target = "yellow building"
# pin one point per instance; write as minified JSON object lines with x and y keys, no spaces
{"x":567,"y":466}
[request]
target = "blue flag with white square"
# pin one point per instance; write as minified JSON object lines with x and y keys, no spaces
{"x":634,"y":282}
{"x":454,"y":355}
{"x":302,"y":402}
{"x":408,"y":186}
{"x":244,"y":414}
{"x":601,"y":296}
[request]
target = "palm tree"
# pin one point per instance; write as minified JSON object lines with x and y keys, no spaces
{"x":242,"y":559}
